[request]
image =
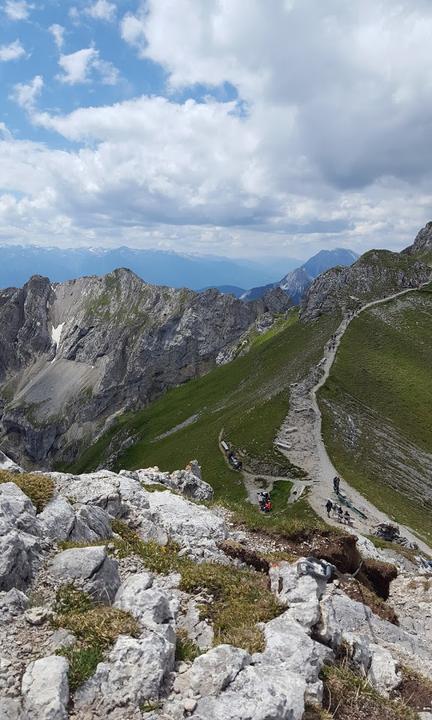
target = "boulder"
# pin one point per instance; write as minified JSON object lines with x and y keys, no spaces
{"x":132,"y":674}
{"x":256,"y":694}
{"x":301,"y":592}
{"x":198,"y":630}
{"x":213,"y":672}
{"x":45,"y":689}
{"x":90,"y":569}
{"x":150,"y":605}
{"x":16,"y":562}
{"x":91,"y":523}
{"x":12,"y":604}
{"x":21,"y":538}
{"x":383,"y":672}
{"x":59,"y":518}
{"x":194,"y":527}
{"x":287,"y":645}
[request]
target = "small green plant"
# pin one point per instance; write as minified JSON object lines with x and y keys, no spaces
{"x":83,"y":661}
{"x":39,"y":488}
{"x":96,"y":628}
{"x":186,"y":649}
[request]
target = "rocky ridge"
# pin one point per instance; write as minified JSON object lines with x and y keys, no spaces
{"x":377,"y":274}
{"x":74,"y":354}
{"x":73,"y":545}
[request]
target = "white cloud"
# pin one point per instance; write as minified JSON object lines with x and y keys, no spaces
{"x":13,"y":51}
{"x":132,"y":30}
{"x":17,"y":9}
{"x":102,"y":10}
{"x":77,"y":65}
{"x":57,"y":31}
{"x":82,"y":66}
{"x":26,"y":95}
{"x":330,"y":143}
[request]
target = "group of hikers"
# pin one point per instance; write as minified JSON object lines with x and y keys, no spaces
{"x":338,"y":513}
{"x":336,"y":510}
{"x":264,"y":502}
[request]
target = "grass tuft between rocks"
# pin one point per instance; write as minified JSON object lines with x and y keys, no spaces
{"x":186,"y":649}
{"x":347,"y":696}
{"x":96,"y":628}
{"x":39,"y":488}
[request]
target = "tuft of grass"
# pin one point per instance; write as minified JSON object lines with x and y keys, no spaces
{"x":39,"y":488}
{"x":239,"y":600}
{"x":186,"y":649}
{"x":83,"y":661}
{"x":347,"y":696}
{"x":154,"y":487}
{"x":96,"y":628}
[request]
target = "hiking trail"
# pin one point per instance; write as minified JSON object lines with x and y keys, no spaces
{"x":300,"y":439}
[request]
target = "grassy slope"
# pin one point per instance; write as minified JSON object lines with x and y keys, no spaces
{"x":248,"y":398}
{"x":381,"y":385}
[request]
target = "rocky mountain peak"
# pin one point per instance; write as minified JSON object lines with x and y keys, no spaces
{"x":423,"y":243}
{"x":73,"y":354}
{"x":374,"y":275}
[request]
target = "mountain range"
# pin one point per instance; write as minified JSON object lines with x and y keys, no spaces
{"x":296,"y":282}
{"x":157,"y":267}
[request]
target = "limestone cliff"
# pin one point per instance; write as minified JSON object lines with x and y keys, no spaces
{"x":75,"y":353}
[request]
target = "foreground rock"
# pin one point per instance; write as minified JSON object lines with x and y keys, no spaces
{"x":21,"y":538}
{"x":89,"y":569}
{"x":45,"y":689}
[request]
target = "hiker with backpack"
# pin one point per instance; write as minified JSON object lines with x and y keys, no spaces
{"x":329,"y":507}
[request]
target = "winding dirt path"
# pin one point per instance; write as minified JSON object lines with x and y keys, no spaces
{"x":300,"y":438}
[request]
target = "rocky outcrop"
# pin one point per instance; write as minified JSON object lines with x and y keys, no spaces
{"x":375,"y":275}
{"x":74,"y":354}
{"x":422,"y":245}
{"x":312,"y":623}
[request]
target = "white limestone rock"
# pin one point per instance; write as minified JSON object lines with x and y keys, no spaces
{"x":212,"y":672}
{"x":149,"y":605}
{"x":21,"y":538}
{"x":89,"y":568}
{"x":192,"y":526}
{"x":45,"y":689}
{"x":132,"y":674}
{"x":256,"y":694}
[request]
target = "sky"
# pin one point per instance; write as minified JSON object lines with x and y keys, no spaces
{"x":243,"y":128}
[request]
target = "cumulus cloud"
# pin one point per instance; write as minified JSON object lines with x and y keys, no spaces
{"x":17,"y":9}
{"x":81,"y":66}
{"x":57,"y":31}
{"x":13,"y":51}
{"x":102,"y":10}
{"x":26,"y":95}
{"x":327,"y":141}
{"x":133,"y":31}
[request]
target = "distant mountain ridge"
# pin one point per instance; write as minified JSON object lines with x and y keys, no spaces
{"x":74,"y":354}
{"x":296,"y":282}
{"x":157,"y":267}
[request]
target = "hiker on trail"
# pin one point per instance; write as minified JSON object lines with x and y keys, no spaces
{"x":340,"y":514}
{"x":347,"y":518}
{"x":268,"y":505}
{"x":329,"y":507}
{"x":336,"y":484}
